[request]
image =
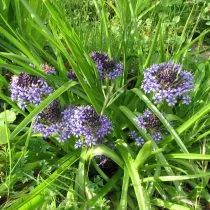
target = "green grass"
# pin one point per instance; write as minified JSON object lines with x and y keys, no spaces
{"x":38,"y":173}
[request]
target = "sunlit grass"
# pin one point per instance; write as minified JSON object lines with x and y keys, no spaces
{"x":43,"y":173}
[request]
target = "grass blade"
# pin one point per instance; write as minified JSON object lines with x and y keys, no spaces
{"x":189,"y":156}
{"x":68,"y":161}
{"x":142,"y":197}
{"x":105,"y":189}
{"x":187,"y":124}
{"x":106,"y":151}
{"x":124,"y":192}
{"x":169,"y":205}
{"x":143,"y":154}
{"x":154,"y":41}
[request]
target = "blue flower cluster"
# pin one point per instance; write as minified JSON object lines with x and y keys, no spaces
{"x":168,"y":82}
{"x":27,"y":89}
{"x":107,"y":68}
{"x":139,"y":140}
{"x":49,"y":120}
{"x":71,"y":75}
{"x":85,"y":124}
{"x":150,"y":123}
{"x":81,"y":122}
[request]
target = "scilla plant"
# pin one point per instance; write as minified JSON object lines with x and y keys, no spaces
{"x":103,"y":118}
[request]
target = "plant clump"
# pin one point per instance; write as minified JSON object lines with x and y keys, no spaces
{"x":168,"y":82}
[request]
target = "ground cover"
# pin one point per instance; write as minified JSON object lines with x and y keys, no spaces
{"x":104,"y":104}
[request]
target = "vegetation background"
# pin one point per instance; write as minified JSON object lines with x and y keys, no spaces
{"x":37,"y":173}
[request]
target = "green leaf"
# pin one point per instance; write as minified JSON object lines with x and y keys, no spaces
{"x":4,"y":133}
{"x":182,"y":38}
{"x":154,"y":41}
{"x":7,"y":116}
{"x":169,"y":205}
{"x":187,"y":124}
{"x":174,"y":178}
{"x":143,"y":154}
{"x":141,"y":195}
{"x":190,"y":156}
{"x":106,"y":151}
{"x":68,"y":160}
{"x":81,"y":174}
{"x":176,"y":19}
{"x":109,"y":185}
{"x":9,"y":101}
{"x":185,"y":48}
{"x":34,"y":203}
{"x":124,"y":193}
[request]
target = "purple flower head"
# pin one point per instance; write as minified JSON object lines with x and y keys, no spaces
{"x":157,"y":136}
{"x":88,"y":126}
{"x":82,"y":122}
{"x":78,"y":144}
{"x":150,"y":123}
{"x":71,"y":75}
{"x":48,"y":121}
{"x":48,"y":69}
{"x":66,"y":124}
{"x":54,"y":121}
{"x":27,"y":89}
{"x":168,"y":82}
{"x":139,"y":140}
{"x":106,"y":67}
